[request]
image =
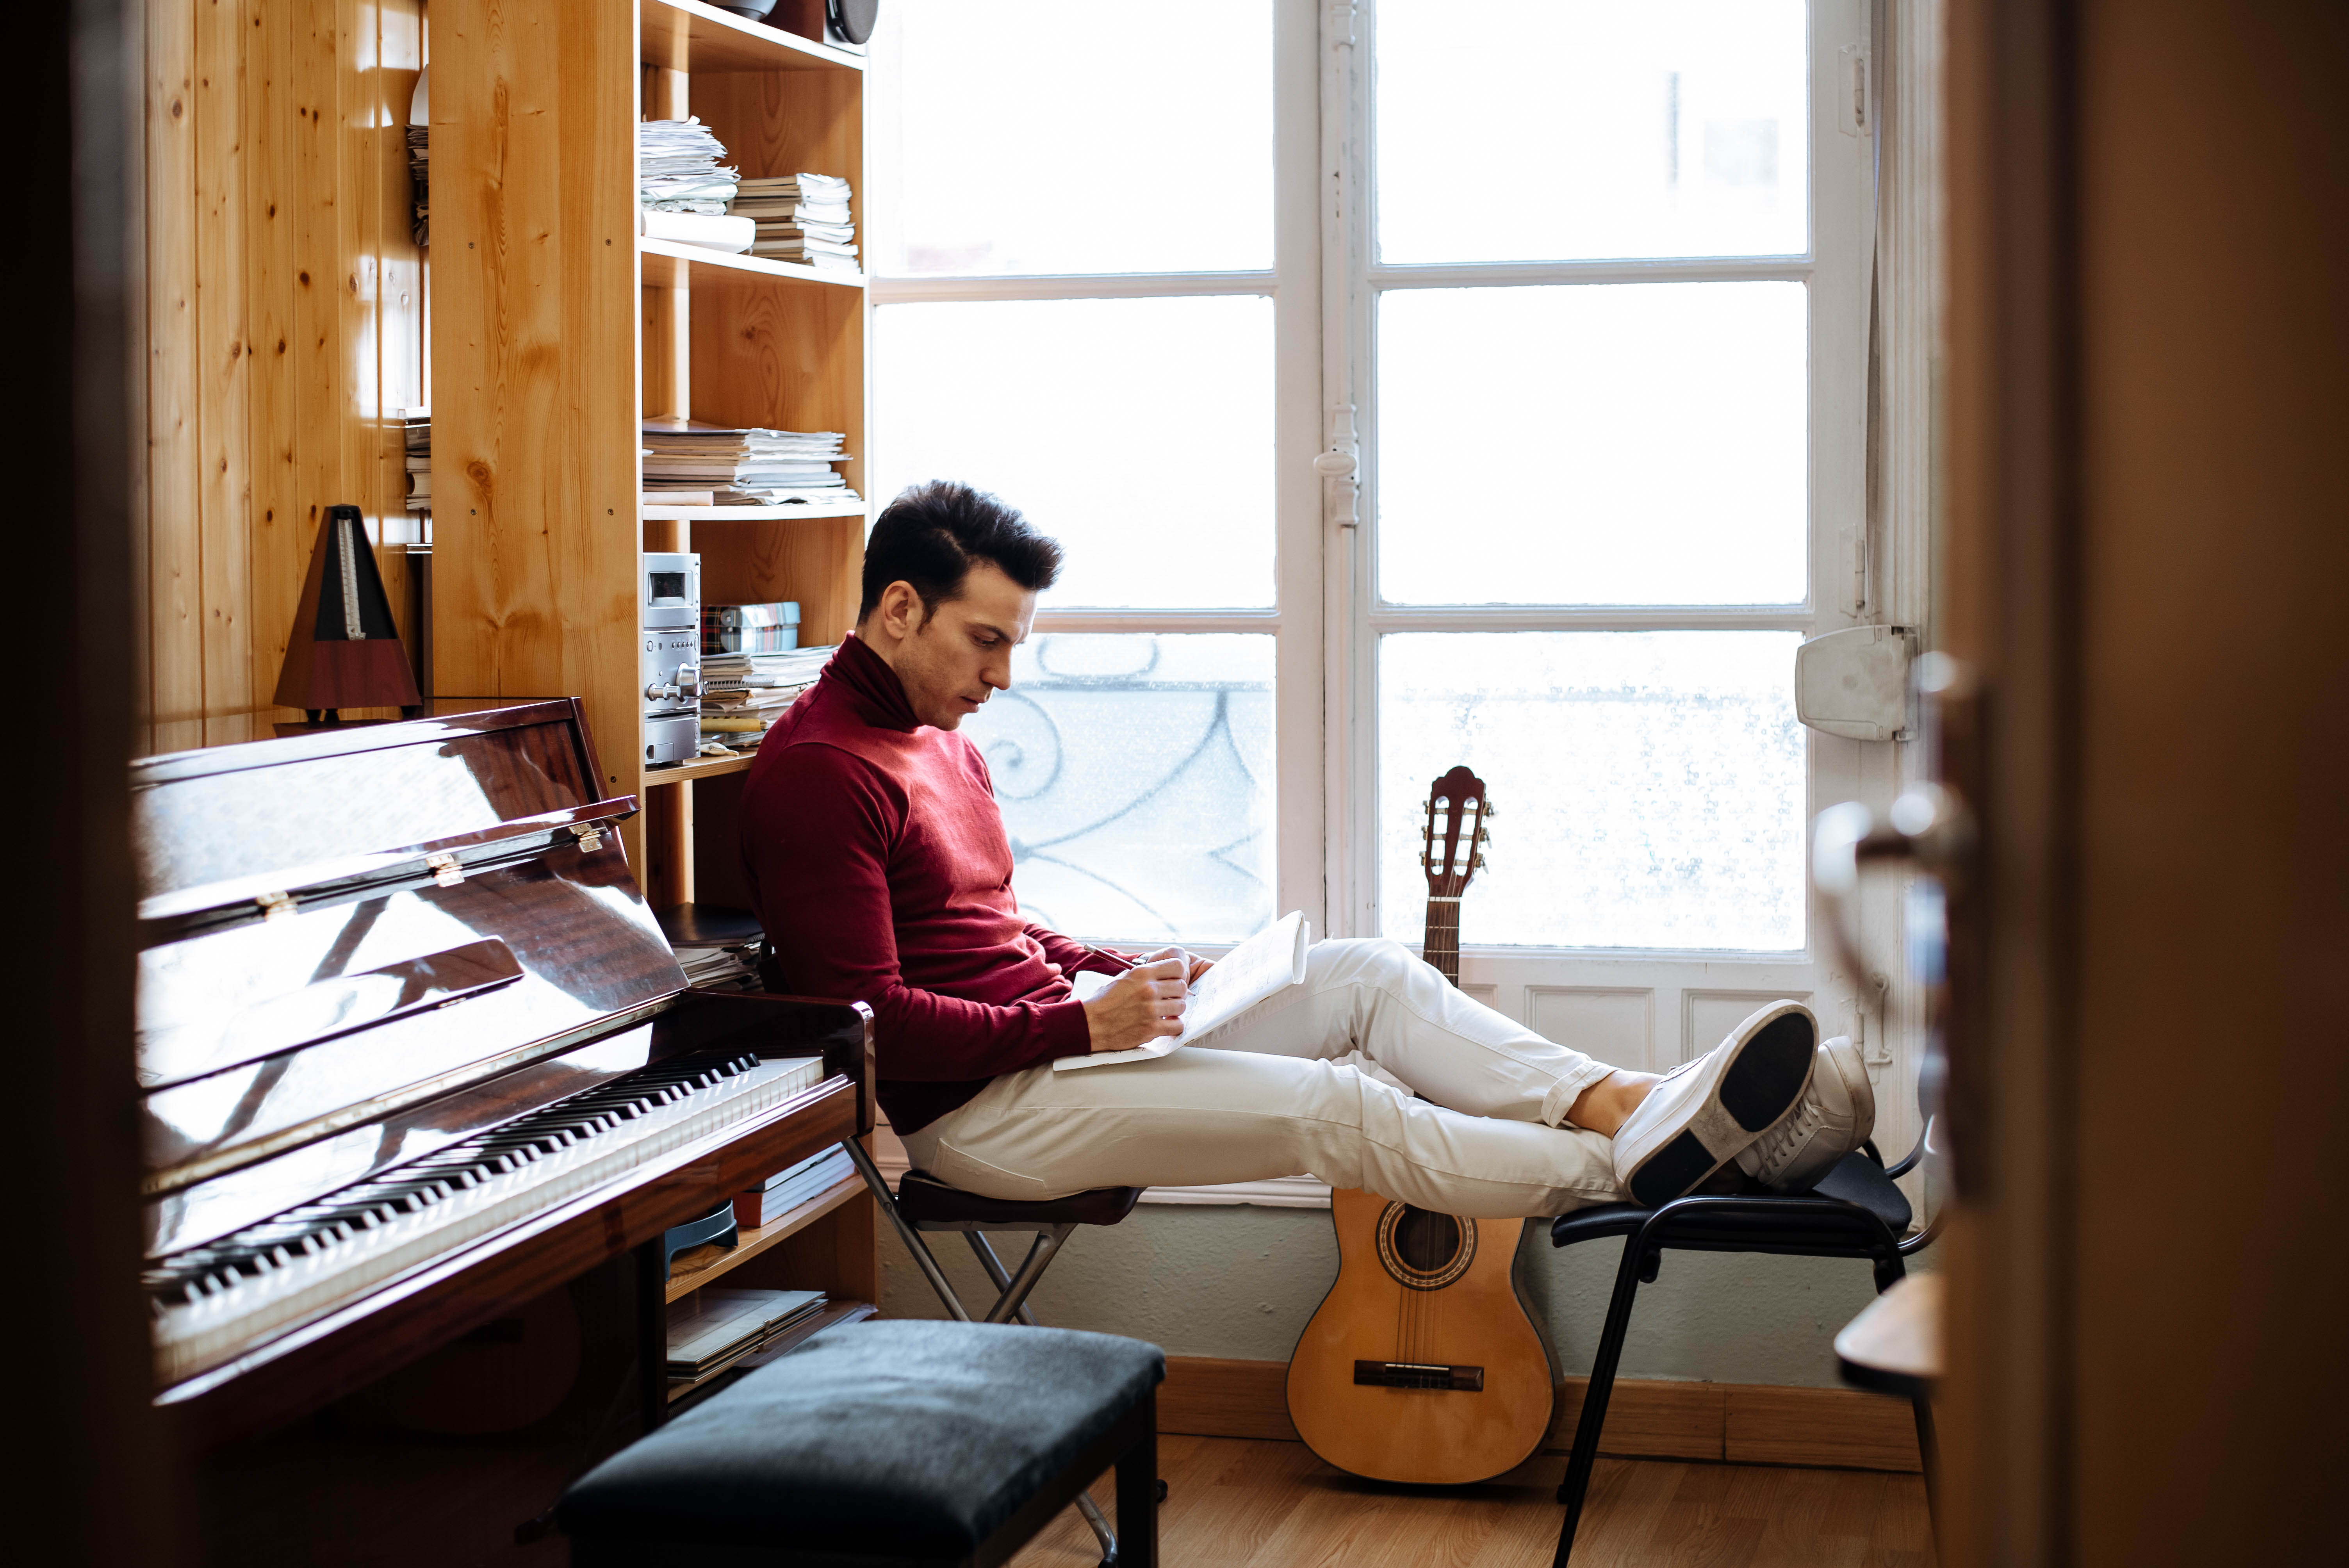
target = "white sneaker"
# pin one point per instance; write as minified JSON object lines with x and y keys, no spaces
{"x":1834,"y":1116}
{"x":1704,"y":1114}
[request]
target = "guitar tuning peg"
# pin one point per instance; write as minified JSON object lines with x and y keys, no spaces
{"x":1490,"y":812}
{"x":1483,"y":835}
{"x":1479,"y":863}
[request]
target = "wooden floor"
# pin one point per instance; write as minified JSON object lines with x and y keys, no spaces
{"x":1239,"y":1505}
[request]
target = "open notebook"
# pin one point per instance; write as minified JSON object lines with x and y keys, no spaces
{"x":1272,"y":960}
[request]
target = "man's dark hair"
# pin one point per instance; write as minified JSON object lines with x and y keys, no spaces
{"x":932,"y":535}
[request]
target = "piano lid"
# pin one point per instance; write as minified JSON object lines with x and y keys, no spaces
{"x":370,"y":978}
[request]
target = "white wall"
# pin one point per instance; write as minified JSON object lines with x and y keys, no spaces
{"x":1242,"y":1281}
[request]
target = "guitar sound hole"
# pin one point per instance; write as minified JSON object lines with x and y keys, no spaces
{"x":1426,"y":1242}
{"x":1424,"y":1250}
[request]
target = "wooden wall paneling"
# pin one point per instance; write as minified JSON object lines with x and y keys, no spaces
{"x":224,"y":383}
{"x":535,"y":393}
{"x":174,"y":699}
{"x":275,"y":182}
{"x":319,"y":380}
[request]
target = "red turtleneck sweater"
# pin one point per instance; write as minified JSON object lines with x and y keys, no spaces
{"x":879,"y":866}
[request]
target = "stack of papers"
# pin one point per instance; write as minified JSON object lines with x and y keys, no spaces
{"x":744,"y":466}
{"x":786,"y":1189}
{"x":720,"y":1328}
{"x":682,"y":190}
{"x":716,"y":968}
{"x":416,"y":429}
{"x":800,"y":218}
{"x":743,"y":694}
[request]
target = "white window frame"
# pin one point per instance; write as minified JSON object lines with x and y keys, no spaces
{"x":1326,"y":618}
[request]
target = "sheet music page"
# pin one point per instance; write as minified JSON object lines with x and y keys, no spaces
{"x":1270,"y":961}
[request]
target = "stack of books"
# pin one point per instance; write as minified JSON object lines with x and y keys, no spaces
{"x":719,"y":1327}
{"x":682,"y":190}
{"x":800,"y":218}
{"x":415,"y":427}
{"x":742,"y":694}
{"x":786,"y":1189}
{"x":772,"y":628}
{"x":733,"y":466}
{"x":419,"y":138}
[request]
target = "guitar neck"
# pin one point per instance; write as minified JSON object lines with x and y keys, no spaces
{"x":1442,"y":947}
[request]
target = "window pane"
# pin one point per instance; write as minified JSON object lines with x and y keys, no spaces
{"x":1572,"y":129}
{"x":1138,"y":432}
{"x":1071,"y":136}
{"x":1593,"y":444}
{"x":1649,"y":785}
{"x":1135,"y":774}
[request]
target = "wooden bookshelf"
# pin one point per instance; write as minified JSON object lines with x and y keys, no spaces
{"x":707,"y":1264}
{"x":698,"y":768}
{"x":556,"y":331}
{"x":682,"y":1396}
{"x":669,"y":264}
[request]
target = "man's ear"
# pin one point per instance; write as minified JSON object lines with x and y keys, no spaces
{"x":900,"y":609}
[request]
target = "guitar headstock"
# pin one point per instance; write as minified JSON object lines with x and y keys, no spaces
{"x":1457,"y":810}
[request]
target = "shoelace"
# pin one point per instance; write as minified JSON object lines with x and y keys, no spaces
{"x":1778,"y":1145}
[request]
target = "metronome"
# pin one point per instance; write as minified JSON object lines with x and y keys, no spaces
{"x":345,"y":651}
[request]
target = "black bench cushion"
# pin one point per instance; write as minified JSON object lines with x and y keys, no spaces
{"x":923,"y":1199}
{"x":912,"y":1439}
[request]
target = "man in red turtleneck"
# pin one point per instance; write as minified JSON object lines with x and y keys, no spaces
{"x":879,"y":866}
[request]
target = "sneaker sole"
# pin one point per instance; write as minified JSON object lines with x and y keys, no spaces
{"x":1765,"y":1076}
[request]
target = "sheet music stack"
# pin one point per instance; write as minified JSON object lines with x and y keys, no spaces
{"x":415,"y":426}
{"x":682,"y":191}
{"x":718,"y":968}
{"x":800,"y":218}
{"x":742,"y":694}
{"x":720,"y":1328}
{"x":743,"y":467}
{"x":786,"y":1189}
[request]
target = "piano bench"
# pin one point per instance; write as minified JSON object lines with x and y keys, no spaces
{"x":886,"y":1445}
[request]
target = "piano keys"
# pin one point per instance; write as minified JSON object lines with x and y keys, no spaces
{"x":412,"y":1049}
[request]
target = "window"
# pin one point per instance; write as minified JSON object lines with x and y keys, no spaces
{"x":1579,"y":287}
{"x":1080,"y":295}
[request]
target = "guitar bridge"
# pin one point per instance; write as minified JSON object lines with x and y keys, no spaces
{"x":1418,"y":1374}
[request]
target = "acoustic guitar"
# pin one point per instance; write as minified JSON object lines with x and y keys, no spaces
{"x":1423,"y":1364}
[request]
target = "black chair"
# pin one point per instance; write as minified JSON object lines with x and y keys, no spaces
{"x":924,"y":1203}
{"x":1853,"y":1211}
{"x":885,"y":1445}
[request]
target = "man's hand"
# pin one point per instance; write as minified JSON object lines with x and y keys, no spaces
{"x":1142,"y":1004}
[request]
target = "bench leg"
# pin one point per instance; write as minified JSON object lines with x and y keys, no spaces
{"x":1137,"y":1495}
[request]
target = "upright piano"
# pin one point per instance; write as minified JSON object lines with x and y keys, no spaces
{"x":422,"y":1088}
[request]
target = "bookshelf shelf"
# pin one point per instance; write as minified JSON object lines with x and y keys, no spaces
{"x":699,"y":767}
{"x":708,"y":1264}
{"x":835,"y":1312}
{"x":669,"y":264}
{"x":805,"y":511}
{"x":686,"y":36}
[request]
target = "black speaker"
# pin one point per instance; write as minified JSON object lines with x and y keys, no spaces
{"x":842,"y":24}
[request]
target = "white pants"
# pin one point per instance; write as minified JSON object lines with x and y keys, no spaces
{"x":1268,"y":1096}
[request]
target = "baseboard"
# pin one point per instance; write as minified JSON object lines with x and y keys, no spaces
{"x":1648,"y":1417}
